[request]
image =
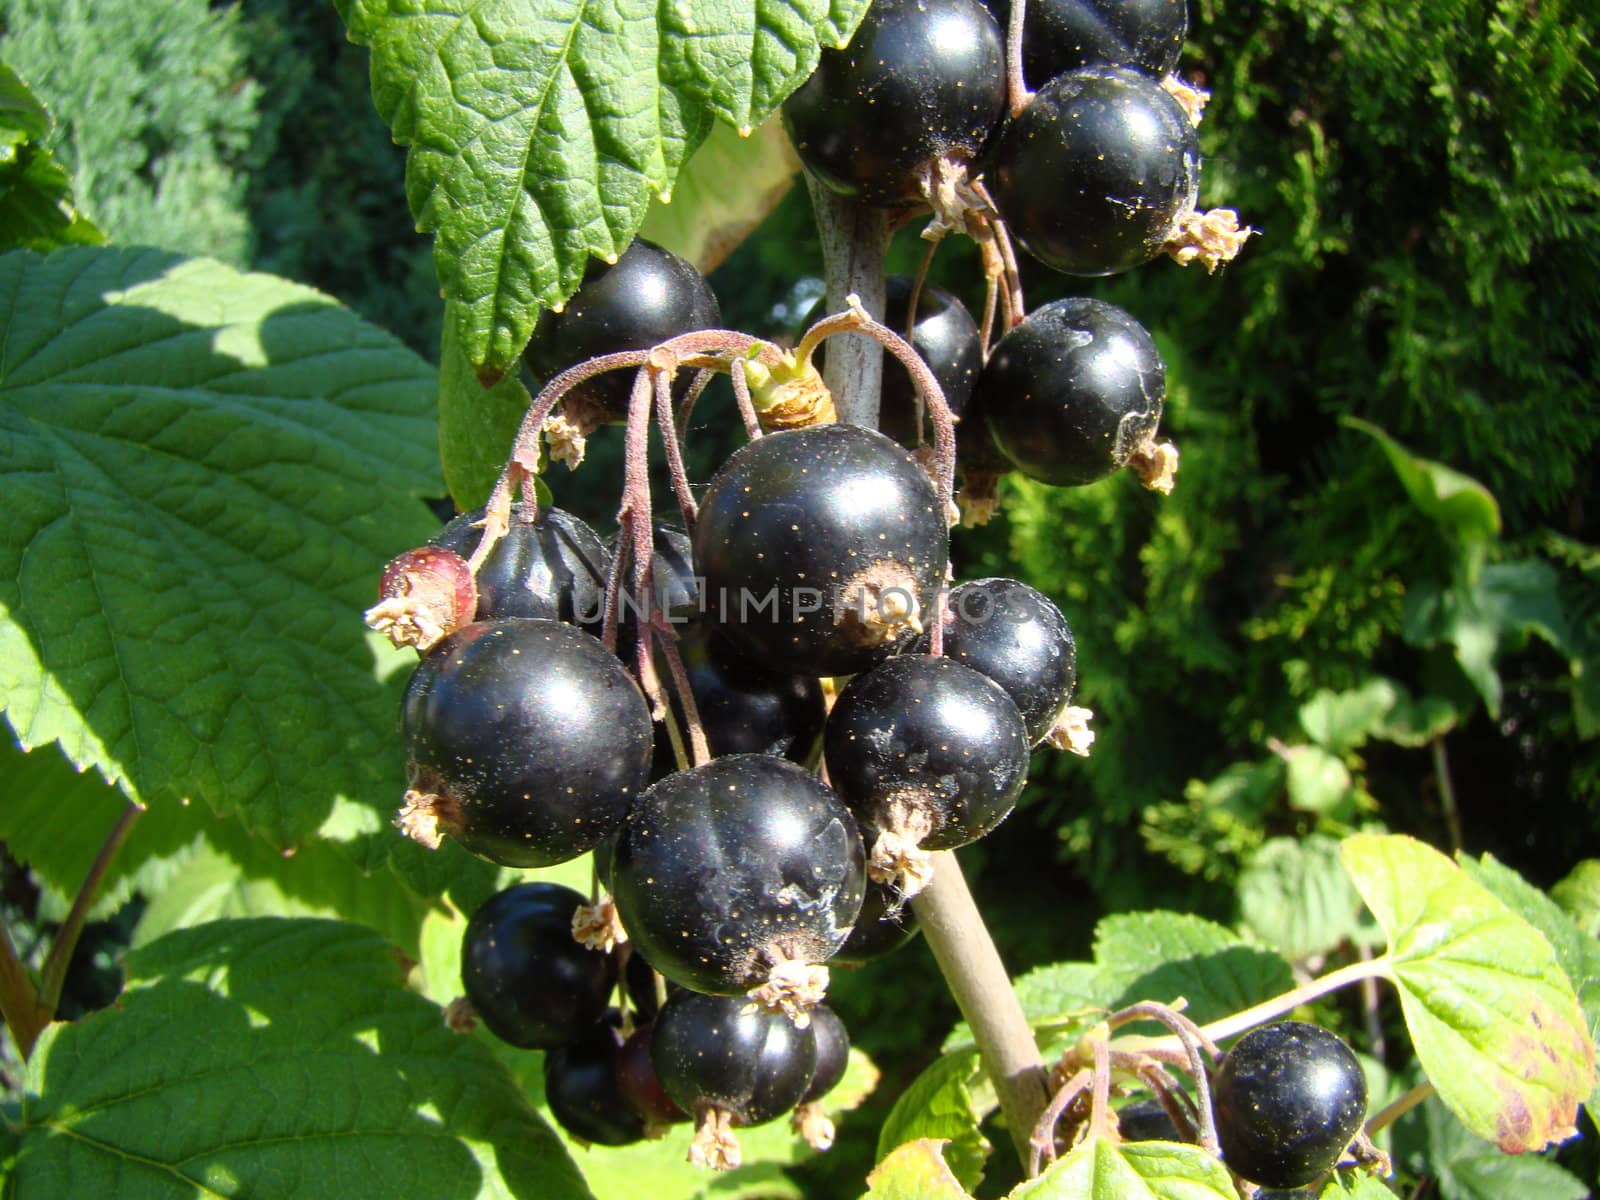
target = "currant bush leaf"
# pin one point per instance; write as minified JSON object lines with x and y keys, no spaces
{"x":205,"y":471}
{"x":1164,"y":956}
{"x":278,"y":1058}
{"x":1469,"y":1168}
{"x":36,"y":207}
{"x":539,"y":130}
{"x":1295,"y":895}
{"x":915,"y":1171}
{"x":947,"y":1102}
{"x":477,"y":424}
{"x":1494,"y":1020}
{"x":1461,"y":506}
{"x":1133,"y":1171}
{"x":1579,"y":895}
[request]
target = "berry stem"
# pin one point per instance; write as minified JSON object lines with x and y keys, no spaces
{"x":1399,"y":1107}
{"x":673,"y":449}
{"x":19,"y":1002}
{"x":855,"y":239}
{"x":54,"y":972}
{"x":1017,"y":93}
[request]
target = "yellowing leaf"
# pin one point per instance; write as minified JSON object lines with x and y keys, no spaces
{"x":915,"y":1171}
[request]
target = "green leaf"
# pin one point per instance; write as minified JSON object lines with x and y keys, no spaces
{"x":1163,"y":956}
{"x":1461,"y":506}
{"x":1295,"y":895}
{"x":1579,"y":895}
{"x":706,"y":219}
{"x":1469,"y":1168}
{"x":205,"y":471}
{"x":915,"y":1171}
{"x":1494,"y":1021}
{"x":1355,"y":1185}
{"x":36,"y":207}
{"x":944,"y":1103}
{"x":1341,"y":721}
{"x":1058,"y":999}
{"x":1317,"y":781}
{"x":277,"y":1058}
{"x":1105,"y":1170}
{"x":476,"y":424}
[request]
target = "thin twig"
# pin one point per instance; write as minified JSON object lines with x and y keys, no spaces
{"x":54,"y":973}
{"x":1447,"y":794}
{"x":19,"y":1002}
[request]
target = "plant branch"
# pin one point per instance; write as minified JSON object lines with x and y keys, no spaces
{"x":54,"y":973}
{"x":19,"y":1002}
{"x":1447,"y":794}
{"x":855,"y":239}
{"x":1397,"y":1108}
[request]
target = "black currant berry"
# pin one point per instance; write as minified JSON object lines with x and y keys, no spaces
{"x":1015,"y":635}
{"x":648,"y":296}
{"x":553,"y":566}
{"x":945,"y":336}
{"x":580,"y":1086}
{"x":729,"y":1065}
{"x":745,"y":708}
{"x":639,"y":1084}
{"x":1147,"y":1121}
{"x":886,"y":923}
{"x":1289,"y":1097}
{"x":833,"y":1056}
{"x":1063,"y":35}
{"x":821,"y":548}
{"x":674,"y":588}
{"x":1096,"y":173}
{"x":1075,"y":392}
{"x":920,"y":82}
{"x":525,"y":741}
{"x":929,"y":754}
{"x":739,"y":875}
{"x":529,"y":981}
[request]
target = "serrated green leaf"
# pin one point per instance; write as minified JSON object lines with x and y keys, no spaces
{"x":706,"y":219}
{"x":1163,"y":956}
{"x":277,"y":1058}
{"x":1579,"y":895}
{"x":944,"y":1103}
{"x":1317,"y":781}
{"x":1295,"y":895}
{"x":1457,"y":503}
{"x":36,"y":207}
{"x":204,"y":471}
{"x":915,"y":1171}
{"x":1104,"y":1170}
{"x":476,"y":424}
{"x":1494,"y":1021}
{"x":1469,"y":1168}
{"x":1355,"y":1185}
{"x":1058,"y":998}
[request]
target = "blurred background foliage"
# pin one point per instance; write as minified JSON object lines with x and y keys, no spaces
{"x":1297,"y":642}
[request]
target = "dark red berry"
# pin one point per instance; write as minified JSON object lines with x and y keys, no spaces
{"x":1289,"y":1097}
{"x":424,"y":595}
{"x":929,"y":754}
{"x":528,"y":980}
{"x":1075,"y":392}
{"x":921,"y":81}
{"x":580,"y":1086}
{"x":553,"y":566}
{"x":735,"y":875}
{"x":648,"y":296}
{"x":820,"y":548}
{"x":525,"y":740}
{"x":1095,"y":174}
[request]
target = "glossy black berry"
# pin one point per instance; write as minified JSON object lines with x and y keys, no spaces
{"x":1094,"y":175}
{"x":820,"y":548}
{"x":1063,"y":35}
{"x":714,"y":1052}
{"x":928,"y":753}
{"x":726,"y":871}
{"x":886,"y":923}
{"x":647,"y":297}
{"x":674,"y":590}
{"x":640,"y":1085}
{"x":1015,"y":635}
{"x":1074,"y":392}
{"x":525,"y":740}
{"x":921,"y":80}
{"x":833,"y":1053}
{"x":1288,"y":1099}
{"x":944,"y":335}
{"x":1146,"y":1121}
{"x":553,"y":566}
{"x":580,"y":1086}
{"x":745,"y":708}
{"x":528,"y":980}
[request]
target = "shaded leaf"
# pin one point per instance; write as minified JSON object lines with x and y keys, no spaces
{"x":1492,"y":1016}
{"x":1164,"y":956}
{"x":277,"y":1058}
{"x":1295,"y":895}
{"x":1341,"y":721}
{"x":1461,"y":506}
{"x":1102,"y":1169}
{"x":36,"y":206}
{"x":1469,"y":1168}
{"x":476,"y":424}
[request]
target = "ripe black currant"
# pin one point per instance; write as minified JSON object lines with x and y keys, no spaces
{"x":833,"y":1056}
{"x":739,"y":875}
{"x":1075,"y":392}
{"x":674,"y":591}
{"x":553,"y":566}
{"x":946,"y":337}
{"x":886,"y":923}
{"x":525,"y":740}
{"x":1095,"y":174}
{"x":921,"y":81}
{"x":820,"y":548}
{"x":1289,"y":1097}
{"x":1147,"y":1121}
{"x":1063,"y":35}
{"x":580,"y":1086}
{"x":639,"y":1084}
{"x":1015,"y":635}
{"x":646,"y":297}
{"x":729,"y":1065}
{"x":929,"y":754}
{"x":529,"y":981}
{"x":745,"y":708}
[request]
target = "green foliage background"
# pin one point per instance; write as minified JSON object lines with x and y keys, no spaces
{"x":1424,"y":179}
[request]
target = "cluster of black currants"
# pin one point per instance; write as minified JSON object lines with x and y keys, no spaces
{"x":1095,"y":173}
